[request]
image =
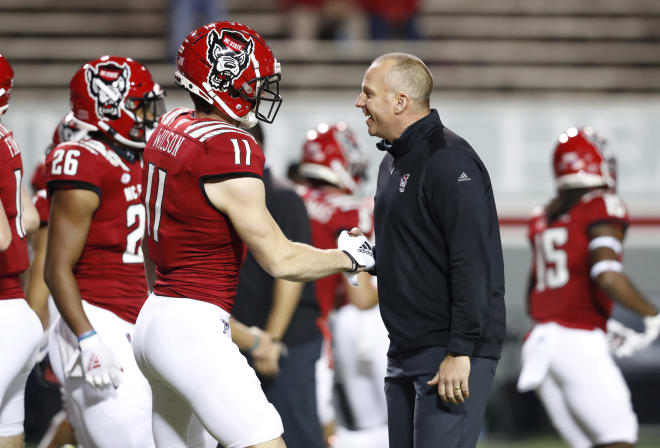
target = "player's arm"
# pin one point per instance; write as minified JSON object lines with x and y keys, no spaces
{"x":70,"y":218}
{"x":365,"y":295}
{"x":30,"y":215}
{"x":5,"y":230}
{"x":607,"y":271}
{"x":286,"y":296}
{"x":149,"y":267}
{"x":36,"y":290}
{"x":242,"y":199}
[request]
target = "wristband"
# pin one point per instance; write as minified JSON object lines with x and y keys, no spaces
{"x":354,"y":263}
{"x":255,"y":344}
{"x":86,"y":334}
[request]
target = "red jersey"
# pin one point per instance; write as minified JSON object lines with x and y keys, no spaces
{"x":564,"y":292}
{"x":14,"y":260}
{"x":195,"y":248}
{"x":331,"y":211}
{"x":110,"y":270}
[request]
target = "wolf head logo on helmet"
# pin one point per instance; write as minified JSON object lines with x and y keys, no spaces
{"x":6,"y":83}
{"x":230,"y":66}
{"x":108,"y":85}
{"x":229,"y":55}
{"x":118,"y":97}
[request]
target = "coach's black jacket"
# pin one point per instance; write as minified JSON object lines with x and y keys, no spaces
{"x":439,"y":256}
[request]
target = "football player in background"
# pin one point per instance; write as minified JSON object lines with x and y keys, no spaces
{"x":20,"y":329}
{"x":59,"y":431}
{"x":205,"y":203}
{"x":333,"y":165}
{"x":577,"y":273}
{"x":94,"y":264}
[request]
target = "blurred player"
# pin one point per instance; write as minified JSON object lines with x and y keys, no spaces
{"x":205,"y":201}
{"x":20,"y":329}
{"x":94,"y":263}
{"x":576,"y":271}
{"x":333,"y":165}
{"x":36,"y":290}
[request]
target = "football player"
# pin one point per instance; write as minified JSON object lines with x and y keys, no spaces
{"x":577,"y":273}
{"x":205,"y":203}
{"x":20,"y":329}
{"x":333,"y":166}
{"x":94,"y":264}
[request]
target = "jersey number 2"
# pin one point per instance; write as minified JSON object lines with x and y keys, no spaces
{"x":162,"y":175}
{"x":548,"y":251}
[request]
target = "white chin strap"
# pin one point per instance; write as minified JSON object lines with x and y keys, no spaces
{"x":120,"y":138}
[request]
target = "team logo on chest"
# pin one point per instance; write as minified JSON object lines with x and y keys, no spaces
{"x":108,"y":85}
{"x":404,"y":182}
{"x":229,"y":55}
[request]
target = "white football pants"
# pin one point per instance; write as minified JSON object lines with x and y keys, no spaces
{"x":20,"y":334}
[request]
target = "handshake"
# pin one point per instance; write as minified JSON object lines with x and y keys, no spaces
{"x":626,"y":341}
{"x":359,"y":251}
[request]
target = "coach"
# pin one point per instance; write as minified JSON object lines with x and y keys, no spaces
{"x":439,"y":262}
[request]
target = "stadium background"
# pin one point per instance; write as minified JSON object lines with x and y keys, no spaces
{"x":510,"y":75}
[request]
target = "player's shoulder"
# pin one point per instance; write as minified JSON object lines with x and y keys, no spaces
{"x":601,"y":204}
{"x":86,"y":152}
{"x":4,"y":131}
{"x":170,"y":117}
{"x":536,"y":219}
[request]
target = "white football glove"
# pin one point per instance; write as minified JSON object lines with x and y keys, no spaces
{"x":623,"y":341}
{"x":360,"y":252}
{"x":101,"y":368}
{"x":651,"y":328}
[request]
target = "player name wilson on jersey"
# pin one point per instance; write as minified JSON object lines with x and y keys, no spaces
{"x":167,"y":141}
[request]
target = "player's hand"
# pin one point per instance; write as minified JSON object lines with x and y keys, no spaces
{"x":651,"y":328}
{"x":266,"y":354}
{"x":356,"y":246}
{"x":100,"y":366}
{"x":452,"y":379}
{"x":623,"y":341}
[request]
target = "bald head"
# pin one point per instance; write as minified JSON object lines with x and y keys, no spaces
{"x":407,"y":74}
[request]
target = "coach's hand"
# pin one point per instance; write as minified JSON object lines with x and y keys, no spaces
{"x":356,"y":246}
{"x":452,"y":379}
{"x":100,"y":366}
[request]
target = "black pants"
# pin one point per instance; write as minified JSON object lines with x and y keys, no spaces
{"x":418,"y":418}
{"x":293,"y":393}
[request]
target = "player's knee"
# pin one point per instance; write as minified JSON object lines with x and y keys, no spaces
{"x":275,"y":443}
{"x":14,"y":441}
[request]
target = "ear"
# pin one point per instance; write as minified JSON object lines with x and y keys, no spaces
{"x":90,"y":75}
{"x":250,"y":48}
{"x":124,"y":73}
{"x":401,"y":103}
{"x":211,"y":41}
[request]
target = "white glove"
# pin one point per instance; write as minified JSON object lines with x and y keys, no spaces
{"x":623,"y":341}
{"x":100,"y":366}
{"x":651,"y":328}
{"x":360,"y":252}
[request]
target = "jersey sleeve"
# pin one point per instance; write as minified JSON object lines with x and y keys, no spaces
{"x":605,"y":208}
{"x":73,"y":166}
{"x":42,"y":204}
{"x":233,"y":153}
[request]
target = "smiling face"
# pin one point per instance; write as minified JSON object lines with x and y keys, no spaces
{"x":377,"y":101}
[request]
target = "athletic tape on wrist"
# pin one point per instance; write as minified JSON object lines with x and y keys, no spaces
{"x":354,"y":262}
{"x":605,"y":266}
{"x":606,"y":241}
{"x":86,"y":335}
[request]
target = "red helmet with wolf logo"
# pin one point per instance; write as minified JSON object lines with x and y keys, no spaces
{"x":118,"y":97}
{"x":333,"y":154}
{"x":231,"y":67}
{"x":580,"y":160}
{"x":6,"y":83}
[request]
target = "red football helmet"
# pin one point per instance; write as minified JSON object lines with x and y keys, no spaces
{"x":67,"y":130}
{"x":6,"y":83}
{"x":231,"y":67}
{"x":581,"y":161}
{"x":333,"y":154}
{"x":118,"y":97}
